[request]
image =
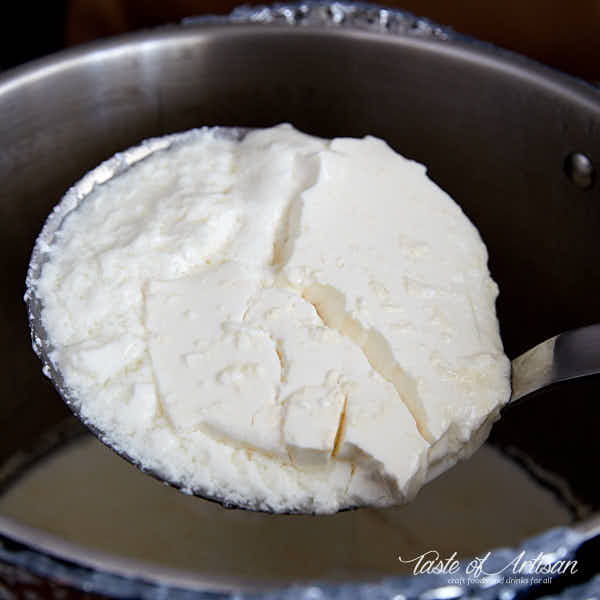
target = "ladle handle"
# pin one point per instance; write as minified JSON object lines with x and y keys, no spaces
{"x":569,"y":355}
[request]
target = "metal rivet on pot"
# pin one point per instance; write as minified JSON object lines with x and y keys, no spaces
{"x":580,"y":170}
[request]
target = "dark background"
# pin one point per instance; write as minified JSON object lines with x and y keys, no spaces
{"x":565,"y":35}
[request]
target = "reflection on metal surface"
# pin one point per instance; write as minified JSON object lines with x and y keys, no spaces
{"x":348,"y":15}
{"x":532,"y":370}
{"x":580,"y":170}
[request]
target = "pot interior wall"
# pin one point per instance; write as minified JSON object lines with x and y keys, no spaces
{"x":494,"y":134}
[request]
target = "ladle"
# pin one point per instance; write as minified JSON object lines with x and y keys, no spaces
{"x":570,"y":355}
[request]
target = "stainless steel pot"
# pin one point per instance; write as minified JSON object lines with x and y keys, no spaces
{"x":515,"y":143}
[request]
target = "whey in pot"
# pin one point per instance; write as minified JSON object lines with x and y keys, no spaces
{"x":122,"y":513}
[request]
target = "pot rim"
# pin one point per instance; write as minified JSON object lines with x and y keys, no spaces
{"x":415,"y":32}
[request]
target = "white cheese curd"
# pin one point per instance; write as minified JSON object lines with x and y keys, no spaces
{"x":283,"y":322}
